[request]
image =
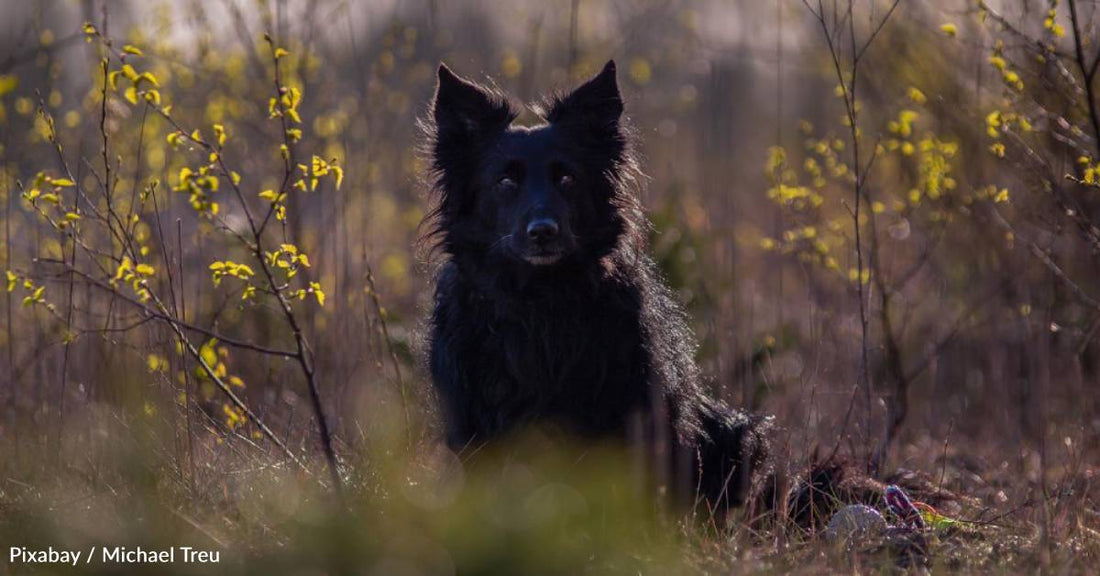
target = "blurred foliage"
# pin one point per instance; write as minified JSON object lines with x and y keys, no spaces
{"x":537,"y":508}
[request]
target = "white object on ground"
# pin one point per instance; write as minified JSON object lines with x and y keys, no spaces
{"x":855,"y":521}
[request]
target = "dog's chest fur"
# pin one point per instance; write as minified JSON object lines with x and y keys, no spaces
{"x":567,"y":356}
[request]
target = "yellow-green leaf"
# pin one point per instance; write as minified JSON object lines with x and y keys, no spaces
{"x":339,"y":176}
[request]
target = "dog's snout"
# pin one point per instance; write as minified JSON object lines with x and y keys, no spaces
{"x":542,"y":230}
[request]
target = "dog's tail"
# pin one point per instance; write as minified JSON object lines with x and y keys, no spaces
{"x":732,"y":453}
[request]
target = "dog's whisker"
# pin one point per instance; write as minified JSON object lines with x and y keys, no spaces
{"x":500,"y":242}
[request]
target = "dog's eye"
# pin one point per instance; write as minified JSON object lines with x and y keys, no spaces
{"x":565,"y":180}
{"x":506,"y":182}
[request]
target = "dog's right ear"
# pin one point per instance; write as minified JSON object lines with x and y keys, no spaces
{"x":463,"y":110}
{"x":596,"y":103}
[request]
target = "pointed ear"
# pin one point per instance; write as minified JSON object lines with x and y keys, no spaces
{"x":464,"y":109}
{"x":596,"y":103}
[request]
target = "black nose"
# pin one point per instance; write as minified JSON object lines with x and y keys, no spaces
{"x":542,"y":230}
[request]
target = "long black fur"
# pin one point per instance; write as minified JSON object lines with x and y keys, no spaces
{"x":595,"y":345}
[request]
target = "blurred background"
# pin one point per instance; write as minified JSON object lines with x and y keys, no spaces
{"x":973,"y":357}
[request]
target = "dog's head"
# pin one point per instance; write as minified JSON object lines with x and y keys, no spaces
{"x":530,"y":196}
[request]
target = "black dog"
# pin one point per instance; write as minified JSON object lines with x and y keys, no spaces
{"x":548,"y":310}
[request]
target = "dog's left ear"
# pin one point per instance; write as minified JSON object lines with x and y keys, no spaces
{"x":596,"y":103}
